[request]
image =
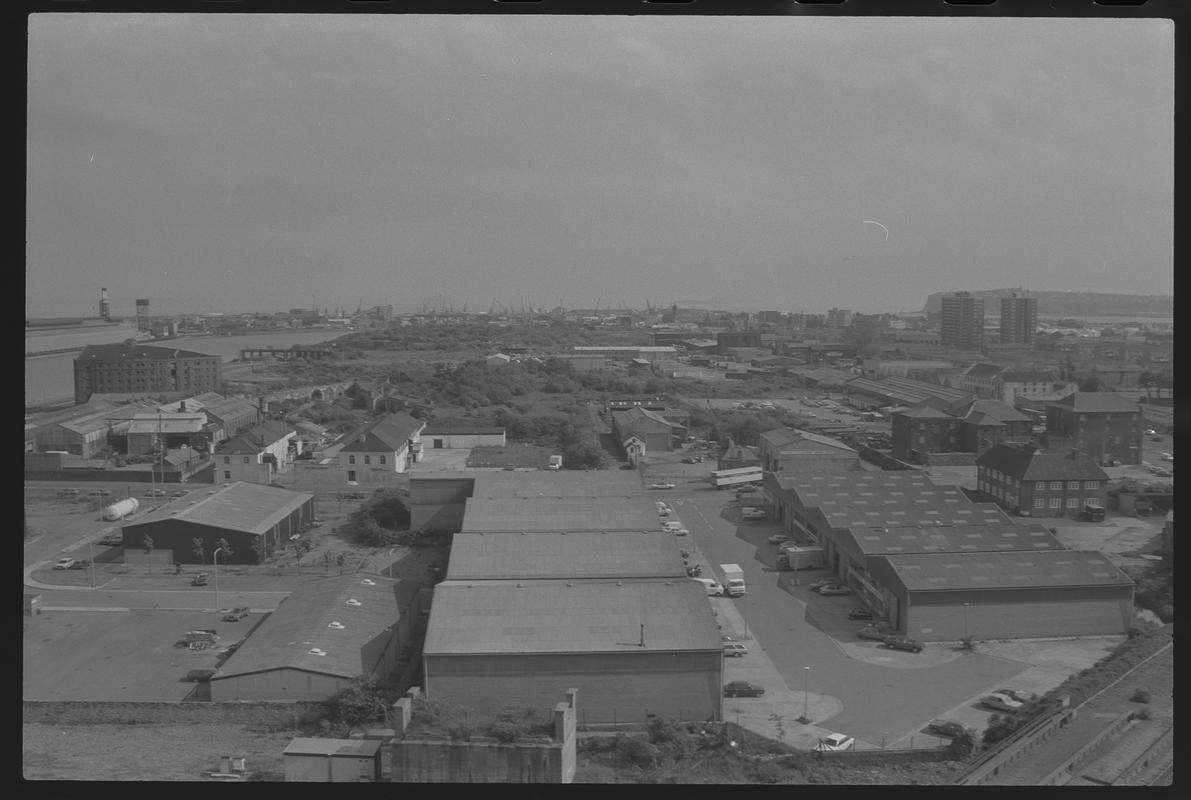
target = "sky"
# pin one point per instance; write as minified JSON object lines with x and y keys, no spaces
{"x":260,"y":163}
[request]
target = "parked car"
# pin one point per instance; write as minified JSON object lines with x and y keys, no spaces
{"x":68,"y":492}
{"x":681,"y":532}
{"x":179,"y":493}
{"x":100,"y":492}
{"x":661,"y":486}
{"x":1013,"y":694}
{"x":819,"y":584}
{"x":834,"y":588}
{"x":742,"y":689}
{"x":200,"y":579}
{"x":735,"y":649}
{"x":235,"y":615}
{"x":778,"y":538}
{"x":155,"y":493}
{"x":753,"y":513}
{"x":860,"y":613}
{"x":747,"y":490}
{"x":1150,"y":431}
{"x":112,"y":540}
{"x":903,"y":643}
{"x":689,"y":460}
{"x":671,"y":525}
{"x":64,"y":563}
{"x":199,"y":675}
{"x":835,"y":741}
{"x":83,"y":564}
{"x":874,"y":632}
{"x":1000,"y":702}
{"x":945,"y":727}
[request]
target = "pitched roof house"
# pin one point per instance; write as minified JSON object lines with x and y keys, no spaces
{"x":1036,"y":483}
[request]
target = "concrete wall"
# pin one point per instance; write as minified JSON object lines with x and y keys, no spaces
{"x":277,"y":685}
{"x":457,"y":441}
{"x":616,"y":687}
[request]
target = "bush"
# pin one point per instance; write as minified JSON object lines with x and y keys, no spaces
{"x":769,"y":772}
{"x":1143,"y":714}
{"x":364,"y":700}
{"x":638,"y":751}
{"x":1140,"y":696}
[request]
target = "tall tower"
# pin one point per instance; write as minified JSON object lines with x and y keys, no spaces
{"x":962,"y":324}
{"x":142,"y":314}
{"x":105,"y":311}
{"x":1019,"y":319}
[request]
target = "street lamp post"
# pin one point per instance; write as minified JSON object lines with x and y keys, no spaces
{"x":215,"y":562}
{"x":91,"y":561}
{"x":806,"y":675}
{"x":391,"y":551}
{"x":965,"y":623}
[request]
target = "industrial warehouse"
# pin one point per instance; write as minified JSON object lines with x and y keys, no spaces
{"x":253,"y":519}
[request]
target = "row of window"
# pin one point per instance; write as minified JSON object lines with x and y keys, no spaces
{"x":351,"y":459}
{"x":1043,"y":485}
{"x":1072,"y":502}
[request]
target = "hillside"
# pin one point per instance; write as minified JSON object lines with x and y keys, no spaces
{"x":1072,"y":304}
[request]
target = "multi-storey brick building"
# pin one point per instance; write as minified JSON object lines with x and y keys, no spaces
{"x":1019,"y":319}
{"x":1040,"y":484}
{"x":1104,"y":425}
{"x":148,"y":369}
{"x":962,"y":322}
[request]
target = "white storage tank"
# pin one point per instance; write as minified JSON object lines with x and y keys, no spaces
{"x":121,"y":508}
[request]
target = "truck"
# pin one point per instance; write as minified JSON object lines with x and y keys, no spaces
{"x":121,"y":509}
{"x":555,"y":462}
{"x":735,"y":477}
{"x":733,"y":580}
{"x":794,"y":557}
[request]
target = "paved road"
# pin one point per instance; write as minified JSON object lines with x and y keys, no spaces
{"x":888,"y":697}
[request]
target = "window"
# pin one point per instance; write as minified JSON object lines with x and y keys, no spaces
{"x":1055,"y":502}
{"x":1072,"y":502}
{"x":246,"y":460}
{"x":1072,"y":484}
{"x":1091,"y":484}
{"x":367,"y":459}
{"x":1039,"y":502}
{"x":1056,"y":484}
{"x":227,"y":459}
{"x":351,"y":459}
{"x":383,"y":460}
{"x":227,"y":475}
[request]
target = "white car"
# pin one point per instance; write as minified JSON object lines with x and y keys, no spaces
{"x":64,"y":563}
{"x":788,"y":546}
{"x":661,"y":486}
{"x":778,"y":538}
{"x":1167,"y":457}
{"x":836,"y":741}
{"x":1000,"y":702}
{"x":753,"y":513}
{"x":672,"y":525}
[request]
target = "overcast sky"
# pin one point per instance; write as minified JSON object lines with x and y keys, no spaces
{"x":236,"y":163}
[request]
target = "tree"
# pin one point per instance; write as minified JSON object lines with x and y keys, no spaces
{"x":148,"y":545}
{"x":225,"y":547}
{"x":258,"y":548}
{"x":340,"y":560}
{"x":198,"y":549}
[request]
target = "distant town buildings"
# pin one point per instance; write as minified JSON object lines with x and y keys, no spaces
{"x":962,"y":322}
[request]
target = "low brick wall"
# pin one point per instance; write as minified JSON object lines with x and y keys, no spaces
{"x":889,"y":756}
{"x":280,"y":716}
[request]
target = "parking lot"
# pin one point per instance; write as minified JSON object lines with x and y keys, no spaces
{"x":129,"y":656}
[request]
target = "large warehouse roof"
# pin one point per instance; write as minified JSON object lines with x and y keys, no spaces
{"x":494,"y":617}
{"x":562,"y":483}
{"x":1046,"y":569}
{"x":560,"y":555}
{"x":627,"y":513}
{"x":996,"y":537}
{"x":248,"y":507}
{"x":331,"y":626}
{"x":922,"y":510}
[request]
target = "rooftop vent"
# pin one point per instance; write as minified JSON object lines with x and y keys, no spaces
{"x":315,"y":651}
{"x":351,"y":601}
{"x":336,"y":625}
{"x":368,"y":582}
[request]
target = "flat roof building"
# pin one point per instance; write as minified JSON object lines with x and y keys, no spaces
{"x":584,"y":555}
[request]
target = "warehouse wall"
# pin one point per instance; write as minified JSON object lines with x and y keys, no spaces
{"x":1022,"y":614}
{"x":615,"y":687}
{"x":277,"y":684}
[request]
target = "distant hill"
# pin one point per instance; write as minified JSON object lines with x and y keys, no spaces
{"x":1071,"y":304}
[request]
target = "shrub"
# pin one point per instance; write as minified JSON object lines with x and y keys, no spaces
{"x":1140,"y":696}
{"x":769,"y":772}
{"x":1142,"y":714}
{"x":638,"y":751}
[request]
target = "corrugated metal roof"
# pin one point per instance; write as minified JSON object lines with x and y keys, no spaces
{"x":570,"y":617}
{"x":553,"y":483}
{"x":787,"y":439}
{"x":352,"y":748}
{"x":627,"y":513}
{"x":541,"y":555}
{"x":1045,"y":569}
{"x":240,"y":506}
{"x":122,"y":352}
{"x":975,"y":537}
{"x":1099,"y":402}
{"x":168,"y":423}
{"x":339,"y":617}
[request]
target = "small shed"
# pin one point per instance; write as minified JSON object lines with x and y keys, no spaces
{"x":333,"y":760}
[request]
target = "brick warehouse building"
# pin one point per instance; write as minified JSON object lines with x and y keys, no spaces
{"x":1104,"y":425}
{"x":148,"y":369}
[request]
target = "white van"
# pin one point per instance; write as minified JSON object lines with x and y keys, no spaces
{"x":713,"y":588}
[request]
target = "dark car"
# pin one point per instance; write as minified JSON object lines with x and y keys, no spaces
{"x":199,"y":675}
{"x":834,"y":588}
{"x":742,"y":689}
{"x":68,"y":492}
{"x":874,"y":632}
{"x":100,"y":492}
{"x":200,"y":579}
{"x":235,"y":615}
{"x":83,"y":564}
{"x":946,"y":728}
{"x":903,"y":643}
{"x":1014,"y":694}
{"x":860,"y":613}
{"x":112,"y":540}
